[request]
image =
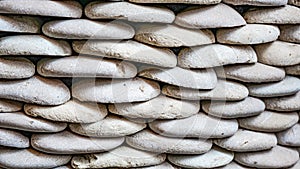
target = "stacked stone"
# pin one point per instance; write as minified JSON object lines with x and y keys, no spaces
{"x":150,"y":84}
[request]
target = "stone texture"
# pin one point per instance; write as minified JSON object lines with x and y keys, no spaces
{"x":87,"y":29}
{"x":257,"y":2}
{"x":213,"y":16}
{"x":290,"y":33}
{"x":294,"y":2}
{"x":127,"y":50}
{"x":286,"y":103}
{"x":248,"y":34}
{"x":164,"y":165}
{"x":21,"y":24}
{"x":16,"y":68}
{"x":84,"y":66}
{"x":200,"y":2}
{"x":213,"y":55}
{"x":10,"y":106}
{"x":290,"y":137}
{"x":10,"y":138}
{"x":293,"y":70}
{"x":129,"y":11}
{"x":297,"y":165}
{"x":35,"y":90}
{"x":115,"y":91}
{"x":233,"y":165}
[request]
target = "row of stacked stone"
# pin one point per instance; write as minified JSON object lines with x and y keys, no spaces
{"x":141,"y":84}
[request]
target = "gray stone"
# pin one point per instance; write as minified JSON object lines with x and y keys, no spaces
{"x":290,"y":137}
{"x":257,"y":2}
{"x":297,"y":165}
{"x":12,"y":138}
{"x":294,"y":2}
{"x":290,"y":33}
{"x":10,"y":106}
{"x":16,"y":68}
{"x":286,"y":103}
{"x":293,"y":70}
{"x":200,"y":2}
{"x":233,"y":165}
{"x":22,"y":24}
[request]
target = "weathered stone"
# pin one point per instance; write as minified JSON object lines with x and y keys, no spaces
{"x":16,"y":68}
{"x":294,"y":2}
{"x":233,"y":165}
{"x":297,"y":165}
{"x":290,"y":137}
{"x":164,"y":165}
{"x":257,"y":2}
{"x":12,"y":138}
{"x":290,"y":33}
{"x":286,"y":103}
{"x":10,"y":105}
{"x":22,"y":24}
{"x":293,"y":70}
{"x":201,"y":2}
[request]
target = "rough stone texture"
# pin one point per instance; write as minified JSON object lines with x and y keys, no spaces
{"x":200,"y":2}
{"x":287,"y":103}
{"x":257,"y":2}
{"x":293,"y":70}
{"x":10,"y":138}
{"x":24,"y":24}
{"x":290,"y":33}
{"x":16,"y":68}
{"x":294,"y":2}
{"x":10,"y":105}
{"x":290,"y":137}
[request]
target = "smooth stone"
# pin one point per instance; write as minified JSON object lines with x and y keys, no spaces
{"x":280,"y":15}
{"x":216,"y":157}
{"x":20,"y":24}
{"x":195,"y":79}
{"x":215,"y":55}
{"x":164,"y":165}
{"x":16,"y":68}
{"x":10,"y":106}
{"x":29,"y":158}
{"x":297,"y":165}
{"x":290,"y":137}
{"x":84,"y":66}
{"x":213,"y":16}
{"x":115,"y":91}
{"x":127,"y":50}
{"x":20,"y":121}
{"x":63,"y":167}
{"x":72,"y":111}
{"x":248,"y":34}
{"x":160,"y":107}
{"x":287,"y":54}
{"x":251,"y":73}
{"x":277,"y":157}
{"x":148,"y":141}
{"x":123,"y":156}
{"x":293,"y":70}
{"x":69,"y":143}
{"x":294,"y":2}
{"x":36,"y":90}
{"x":33,"y":45}
{"x":233,"y":165}
{"x":70,"y":9}
{"x":129,"y":11}
{"x":247,"y":140}
{"x":288,"y":86}
{"x":87,"y":29}
{"x":224,"y":90}
{"x":257,"y":2}
{"x":290,"y":33}
{"x":12,"y":138}
{"x":200,"y":2}
{"x":110,"y":126}
{"x":173,"y":36}
{"x":269,"y":121}
{"x":248,"y":107}
{"x":286,"y":103}
{"x":200,"y":125}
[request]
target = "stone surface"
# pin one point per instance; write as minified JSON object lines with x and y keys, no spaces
{"x":297,"y":165}
{"x":124,"y":157}
{"x":129,"y":11}
{"x":164,"y":165}
{"x":257,"y":2}
{"x":72,"y":111}
{"x":115,"y":91}
{"x":248,"y":34}
{"x":290,"y":33}
{"x":87,"y":29}
{"x":294,"y":2}
{"x":287,"y":54}
{"x":269,"y":121}
{"x":233,"y":165}
{"x":293,"y":70}
{"x":149,"y":141}
{"x":290,"y":137}
{"x":201,"y":2}
{"x":286,"y":103}
{"x":16,"y":68}
{"x":35,"y":90}
{"x":10,"y":106}
{"x":248,"y":107}
{"x":10,"y":138}
{"x":196,"y":79}
{"x":213,"y":16}
{"x":277,"y":157}
{"x":110,"y":126}
{"x":215,"y":55}
{"x":173,"y":36}
{"x":33,"y":45}
{"x":22,"y":24}
{"x":160,"y":107}
{"x":127,"y":50}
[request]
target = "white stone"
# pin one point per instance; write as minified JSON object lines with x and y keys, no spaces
{"x":10,"y":138}
{"x":16,"y":68}
{"x":10,"y":105}
{"x":233,"y":165}
{"x":164,"y":165}
{"x":257,"y":2}
{"x":290,"y":137}
{"x":22,"y":24}
{"x":290,"y":33}
{"x":286,"y":103}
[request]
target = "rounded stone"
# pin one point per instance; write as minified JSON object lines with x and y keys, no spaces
{"x":293,"y":70}
{"x":20,"y":24}
{"x":10,"y":106}
{"x":286,"y":103}
{"x":290,"y":33}
{"x":290,"y":137}
{"x":297,"y":165}
{"x":200,"y":2}
{"x":164,"y":165}
{"x":257,"y":2}
{"x":233,"y":165}
{"x":16,"y":68}
{"x":10,"y":138}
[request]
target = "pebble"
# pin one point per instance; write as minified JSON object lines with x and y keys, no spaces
{"x":149,"y":141}
{"x":200,"y":2}
{"x":257,"y":2}
{"x":213,"y":55}
{"x":129,"y":11}
{"x":87,"y":29}
{"x":290,"y":33}
{"x":84,"y":66}
{"x":127,"y":50}
{"x":115,"y":91}
{"x":212,"y":16}
{"x":248,"y":34}
{"x":110,"y":126}
{"x":290,"y":137}
{"x":10,"y":105}
{"x":36,"y":90}
{"x":12,"y":138}
{"x":233,"y":165}
{"x":164,"y":165}
{"x":123,"y":157}
{"x":20,"y":24}
{"x":286,"y":103}
{"x":195,"y":79}
{"x":293,"y":70}
{"x":277,"y":157}
{"x":294,"y":2}
{"x":269,"y":121}
{"x":248,"y":107}
{"x":160,"y":107}
{"x":16,"y":68}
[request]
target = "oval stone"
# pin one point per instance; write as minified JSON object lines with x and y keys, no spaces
{"x":290,"y":33}
{"x":10,"y":106}
{"x":297,"y":165}
{"x":286,"y":103}
{"x":233,"y":165}
{"x":164,"y":165}
{"x":202,"y":2}
{"x":10,"y":138}
{"x":290,"y":137}
{"x":20,"y":24}
{"x":293,"y":70}
{"x":257,"y":2}
{"x":16,"y":68}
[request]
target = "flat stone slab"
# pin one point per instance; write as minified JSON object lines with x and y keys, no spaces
{"x":290,"y":33}
{"x":10,"y":106}
{"x":290,"y":137}
{"x":250,"y":106}
{"x":213,"y":55}
{"x":10,"y":138}
{"x":248,"y":34}
{"x":293,"y":70}
{"x":128,"y":11}
{"x":286,"y":103}
{"x":164,"y":165}
{"x":124,"y":157}
{"x":149,"y":141}
{"x":269,"y":121}
{"x":201,"y":2}
{"x":36,"y":90}
{"x":127,"y":50}
{"x":277,"y":157}
{"x":20,"y":24}
{"x":115,"y":91}
{"x":196,"y":79}
{"x":110,"y":126}
{"x":257,"y":2}
{"x":16,"y":68}
{"x":87,"y":29}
